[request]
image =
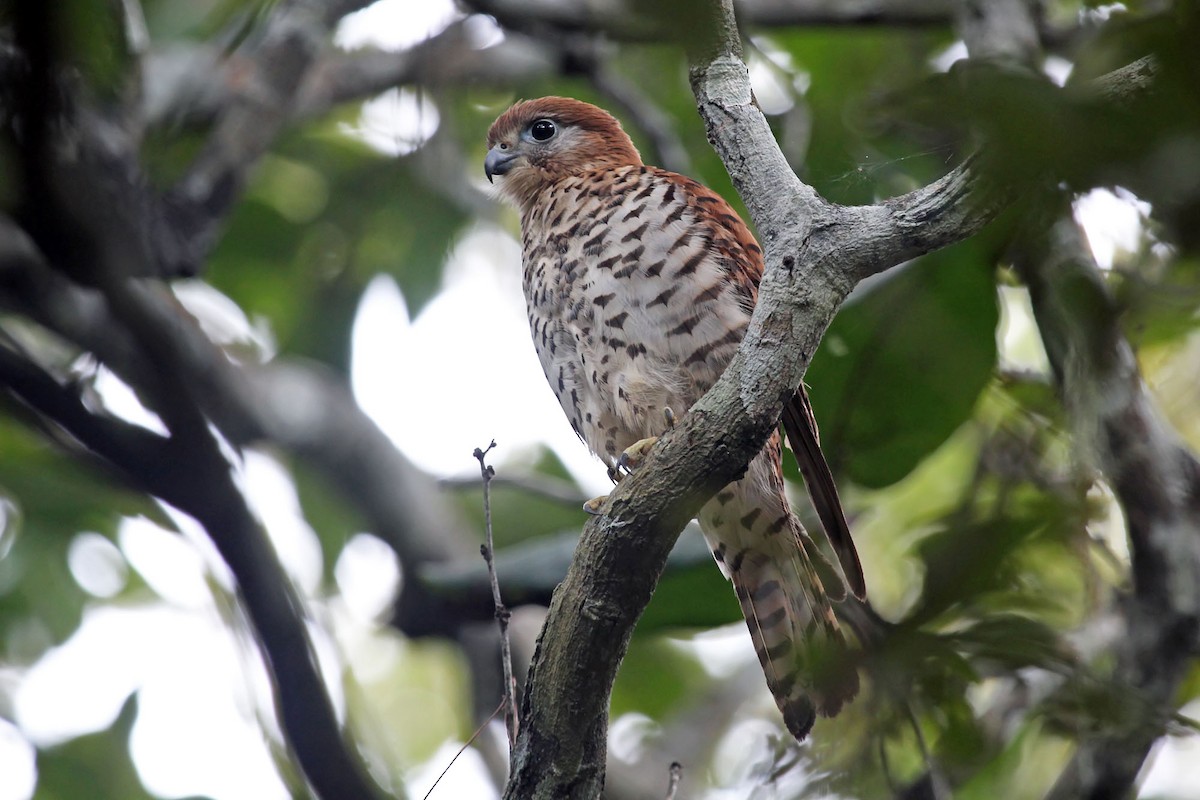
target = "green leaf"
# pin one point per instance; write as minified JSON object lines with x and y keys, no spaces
{"x":966,"y":561}
{"x":56,"y":497}
{"x":97,"y":765}
{"x":1025,"y":768}
{"x":852,"y":157}
{"x":654,"y":678}
{"x":1013,"y":641}
{"x":903,"y":364}
{"x":696,"y":595}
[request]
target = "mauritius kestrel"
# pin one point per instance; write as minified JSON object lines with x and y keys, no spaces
{"x":640,"y":284}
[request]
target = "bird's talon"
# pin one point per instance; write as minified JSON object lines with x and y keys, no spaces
{"x":593,"y":506}
{"x":633,"y":456}
{"x":669,"y":416}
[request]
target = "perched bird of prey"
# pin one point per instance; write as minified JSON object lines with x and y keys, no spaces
{"x":639,"y":284}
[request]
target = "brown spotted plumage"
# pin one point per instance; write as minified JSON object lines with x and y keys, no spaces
{"x":639,"y":285}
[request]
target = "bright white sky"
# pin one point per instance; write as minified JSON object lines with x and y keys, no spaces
{"x":481,"y":379}
{"x":196,"y":731}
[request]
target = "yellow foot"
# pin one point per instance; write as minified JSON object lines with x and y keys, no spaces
{"x":593,"y":506}
{"x":634,"y":455}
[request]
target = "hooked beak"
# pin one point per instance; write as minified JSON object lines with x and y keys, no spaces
{"x":498,"y":162}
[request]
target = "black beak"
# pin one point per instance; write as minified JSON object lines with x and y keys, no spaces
{"x":498,"y":162}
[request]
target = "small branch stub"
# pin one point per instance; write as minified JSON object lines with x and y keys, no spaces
{"x":487,"y":550}
{"x":676,"y":773}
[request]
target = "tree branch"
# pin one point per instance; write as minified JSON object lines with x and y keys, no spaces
{"x":182,"y":87}
{"x":188,"y":471}
{"x":512,"y":720}
{"x":1155,"y":478}
{"x":300,"y":407}
{"x":450,"y":58}
{"x":272,"y":65}
{"x":797,"y":223}
{"x":628,"y":21}
{"x":1117,"y":429}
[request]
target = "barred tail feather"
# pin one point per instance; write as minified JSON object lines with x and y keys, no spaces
{"x":801,"y":427}
{"x":796,"y":637}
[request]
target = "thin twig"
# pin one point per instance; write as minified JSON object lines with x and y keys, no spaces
{"x":511,"y":720}
{"x":676,"y":773}
{"x":886,"y":766}
{"x":466,"y":744}
{"x":937,"y":784}
{"x":137,"y":35}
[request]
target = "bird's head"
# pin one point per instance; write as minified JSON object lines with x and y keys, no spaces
{"x":538,"y":142}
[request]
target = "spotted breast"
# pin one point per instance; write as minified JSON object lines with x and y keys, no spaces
{"x":634,"y":303}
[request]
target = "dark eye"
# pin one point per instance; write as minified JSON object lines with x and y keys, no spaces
{"x":542,"y":130}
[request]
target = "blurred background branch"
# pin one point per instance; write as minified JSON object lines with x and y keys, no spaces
{"x":1154,"y":476}
{"x":1117,"y":430}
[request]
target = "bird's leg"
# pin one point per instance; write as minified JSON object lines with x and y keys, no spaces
{"x":634,"y":455}
{"x":593,"y":506}
{"x":630,"y":459}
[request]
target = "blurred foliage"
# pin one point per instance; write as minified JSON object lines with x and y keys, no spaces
{"x":986,"y":552}
{"x":96,"y":765}
{"x":887,"y":392}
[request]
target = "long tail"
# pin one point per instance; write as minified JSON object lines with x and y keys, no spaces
{"x":796,"y":636}
{"x":801,"y":427}
{"x":785,"y":586}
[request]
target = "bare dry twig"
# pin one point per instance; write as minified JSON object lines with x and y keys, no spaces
{"x":676,"y":772}
{"x":511,"y":719}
